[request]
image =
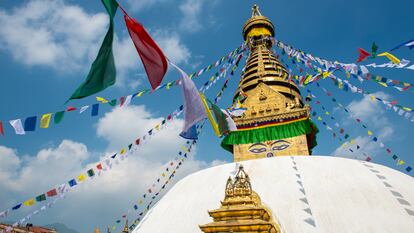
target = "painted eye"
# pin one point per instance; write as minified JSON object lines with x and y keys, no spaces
{"x":281,"y":147}
{"x":258,"y":150}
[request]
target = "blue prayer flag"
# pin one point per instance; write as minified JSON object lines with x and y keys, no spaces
{"x":95,"y":109}
{"x":30,"y":123}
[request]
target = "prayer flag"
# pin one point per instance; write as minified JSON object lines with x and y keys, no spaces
{"x":112,"y":102}
{"x":369,"y":132}
{"x":29,"y":202}
{"x":210,"y":116}
{"x":102,"y":73}
{"x":30,"y":123}
{"x":362,"y":55}
{"x":41,"y":197}
{"x":72,"y":182}
{"x":90,"y":172}
{"x":51,"y":193}
{"x":16,"y":206}
{"x":70,"y":108}
{"x":83,"y":108}
{"x":58,"y":117}
{"x":391,"y":57}
{"x":81,"y":177}
{"x":409,"y":44}
{"x":122,"y":151}
{"x":95,"y":109}
{"x":18,"y":127}
{"x":99,"y":166}
{"x":101,"y":100}
{"x":45,"y":120}
{"x":1,"y":128}
{"x":154,"y":60}
{"x":374,"y":49}
{"x":400,"y":162}
{"x":223,"y":120}
{"x":408,"y":169}
{"x":194,"y":110}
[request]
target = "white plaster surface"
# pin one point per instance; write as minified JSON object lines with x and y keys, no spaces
{"x":344,"y":196}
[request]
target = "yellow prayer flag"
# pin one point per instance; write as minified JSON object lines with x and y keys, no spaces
{"x":210,"y":116}
{"x":352,"y":142}
{"x":184,"y":148}
{"x":140,"y":93}
{"x":400,"y":162}
{"x":45,"y":120}
{"x":326,"y":113}
{"x":348,"y":75}
{"x":373,"y":97}
{"x":81,"y":177}
{"x":344,"y":145}
{"x":212,"y":78}
{"x":122,"y":151}
{"x":390,"y":57}
{"x":157,"y":127}
{"x":407,"y":109}
{"x":319,"y":118}
{"x":29,"y":202}
{"x":325,"y":74}
{"x":369,"y":132}
{"x":163,"y":174}
{"x":114,"y":228}
{"x":383,"y":84}
{"x":140,"y":202}
{"x":101,"y":100}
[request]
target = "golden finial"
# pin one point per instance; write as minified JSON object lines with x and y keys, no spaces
{"x":255,"y":11}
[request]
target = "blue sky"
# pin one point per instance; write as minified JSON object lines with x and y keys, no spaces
{"x":46,"y":50}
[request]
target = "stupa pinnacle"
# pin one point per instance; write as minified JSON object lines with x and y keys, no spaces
{"x":276,"y":121}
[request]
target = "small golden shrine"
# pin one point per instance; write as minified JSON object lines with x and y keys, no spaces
{"x":241,"y":210}
{"x":275,"y":121}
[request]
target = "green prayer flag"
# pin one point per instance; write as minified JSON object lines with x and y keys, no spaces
{"x":58,"y":117}
{"x":102,"y":73}
{"x":90,"y":172}
{"x":112,"y":102}
{"x":221,"y":119}
{"x":374,"y":50}
{"x":41,"y":197}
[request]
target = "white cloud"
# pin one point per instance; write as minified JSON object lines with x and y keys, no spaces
{"x":372,"y":113}
{"x":172,"y":46}
{"x":191,"y":10}
{"x":51,"y":33}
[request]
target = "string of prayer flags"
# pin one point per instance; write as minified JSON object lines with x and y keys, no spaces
{"x":409,"y":44}
{"x":369,"y":132}
{"x":101,"y":168}
{"x":83,"y":176}
{"x":103,"y":72}
{"x":154,"y":60}
{"x":58,"y":116}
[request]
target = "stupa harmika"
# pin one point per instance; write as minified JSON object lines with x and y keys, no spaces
{"x":275,"y":188}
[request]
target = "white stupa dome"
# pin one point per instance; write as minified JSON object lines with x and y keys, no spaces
{"x":304,"y":194}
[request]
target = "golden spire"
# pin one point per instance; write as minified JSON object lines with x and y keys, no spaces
{"x":126,"y":228}
{"x":241,"y":210}
{"x":271,"y":98}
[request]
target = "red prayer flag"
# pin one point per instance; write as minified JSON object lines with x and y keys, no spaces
{"x":137,"y":141}
{"x":51,"y":193}
{"x":99,"y":166}
{"x":1,"y":128}
{"x":122,"y":101}
{"x":368,"y":159}
{"x":362,"y":55}
{"x":70,"y":108}
{"x":154,"y":60}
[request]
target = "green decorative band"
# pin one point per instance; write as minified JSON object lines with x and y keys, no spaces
{"x":294,"y":129}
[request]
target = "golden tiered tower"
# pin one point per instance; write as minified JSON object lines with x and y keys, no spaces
{"x":241,"y":210}
{"x":276,"y":121}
